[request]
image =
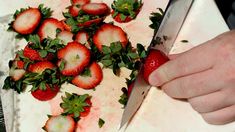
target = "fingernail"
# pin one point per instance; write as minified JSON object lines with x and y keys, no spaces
{"x":154,"y":79}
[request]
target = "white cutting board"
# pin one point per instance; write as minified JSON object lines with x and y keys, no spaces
{"x":159,"y":113}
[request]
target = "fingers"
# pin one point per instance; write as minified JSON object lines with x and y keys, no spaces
{"x":221,"y":116}
{"x":195,"y":60}
{"x":194,"y":85}
{"x":213,"y":101}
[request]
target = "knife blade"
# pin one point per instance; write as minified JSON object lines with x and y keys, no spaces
{"x":173,"y":19}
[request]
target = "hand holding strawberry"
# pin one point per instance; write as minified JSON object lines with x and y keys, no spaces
{"x":205,"y":77}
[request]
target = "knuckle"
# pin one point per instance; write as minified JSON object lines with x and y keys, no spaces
{"x":184,"y":89}
{"x":199,"y":104}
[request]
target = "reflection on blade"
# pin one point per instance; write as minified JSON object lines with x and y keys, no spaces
{"x":174,"y":17}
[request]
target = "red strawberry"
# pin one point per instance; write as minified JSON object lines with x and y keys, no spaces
{"x":75,"y":56}
{"x":60,"y":123}
{"x":39,"y":67}
{"x":47,"y":94}
{"x":34,"y":54}
{"x":129,"y":89}
{"x":74,"y":10}
{"x":90,"y":22}
{"x":19,"y":64}
{"x":90,"y":78}
{"x":16,"y":74}
{"x":86,"y":108}
{"x":79,"y":2}
{"x":107,"y":34}
{"x":82,"y":37}
{"x":154,"y":60}
{"x":65,"y":25}
{"x":65,"y":36}
{"x":96,"y":9}
{"x":48,"y":28}
{"x":27,"y":21}
{"x":117,"y":18}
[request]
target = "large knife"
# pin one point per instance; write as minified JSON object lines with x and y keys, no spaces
{"x":174,"y":17}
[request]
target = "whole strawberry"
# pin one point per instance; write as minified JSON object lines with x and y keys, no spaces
{"x":154,"y":60}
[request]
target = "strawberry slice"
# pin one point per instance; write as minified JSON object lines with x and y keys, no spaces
{"x":41,"y":66}
{"x":108,"y":34}
{"x":60,"y":123}
{"x":74,"y":10}
{"x":96,"y":9}
{"x":75,"y":57}
{"x":45,"y":94}
{"x":90,"y":78}
{"x":48,"y":28}
{"x":34,"y":54}
{"x":82,"y":38}
{"x":79,"y":2}
{"x":90,"y":22}
{"x":65,"y":25}
{"x":65,"y":36}
{"x":154,"y":60}
{"x":27,"y":21}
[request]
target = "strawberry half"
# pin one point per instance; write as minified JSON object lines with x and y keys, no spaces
{"x":96,"y":8}
{"x":154,"y":60}
{"x":90,"y":78}
{"x":34,"y":54}
{"x":27,"y":21}
{"x":45,"y":94}
{"x":108,"y":34}
{"x":75,"y":57}
{"x":74,"y":10}
{"x":60,"y":123}
{"x":79,"y":2}
{"x":65,"y":36}
{"x":90,"y":22}
{"x":82,"y":37}
{"x":41,"y":66}
{"x":48,"y":28}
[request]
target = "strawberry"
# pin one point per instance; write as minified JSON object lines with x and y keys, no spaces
{"x":60,"y":123}
{"x":96,"y":9}
{"x":79,"y":2}
{"x":90,"y":78}
{"x":20,"y":64}
{"x":75,"y":57}
{"x":82,"y":37}
{"x":45,"y":94}
{"x":86,"y":108}
{"x":16,"y":74}
{"x":34,"y":54}
{"x":154,"y":60}
{"x":27,"y":21}
{"x":108,"y":34}
{"x":90,"y":22}
{"x":48,"y":28}
{"x":74,"y":10}
{"x":40,"y":66}
{"x":65,"y":36}
{"x":65,"y":25}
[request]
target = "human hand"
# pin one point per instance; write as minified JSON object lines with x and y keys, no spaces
{"x":205,"y":75}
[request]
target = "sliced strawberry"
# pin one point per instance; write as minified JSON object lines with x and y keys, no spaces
{"x":108,"y":34}
{"x":75,"y":56}
{"x":65,"y":26}
{"x":79,"y":2}
{"x":34,"y":54}
{"x":74,"y":10}
{"x":48,"y":28}
{"x":154,"y":60}
{"x":41,"y":66}
{"x":27,"y":21}
{"x":45,"y":94}
{"x":90,"y":78}
{"x":82,"y":38}
{"x":65,"y":36}
{"x":96,"y":9}
{"x":86,"y":108}
{"x":16,"y":74}
{"x":60,"y":123}
{"x":90,"y":22}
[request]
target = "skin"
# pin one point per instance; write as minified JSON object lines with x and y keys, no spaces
{"x":205,"y":76}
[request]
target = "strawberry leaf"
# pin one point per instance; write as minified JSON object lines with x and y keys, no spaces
{"x":101,"y":122}
{"x":46,"y":12}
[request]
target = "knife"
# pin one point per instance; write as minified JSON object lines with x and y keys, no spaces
{"x":174,"y":17}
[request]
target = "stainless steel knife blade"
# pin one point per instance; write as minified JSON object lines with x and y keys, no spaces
{"x":171,"y":24}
